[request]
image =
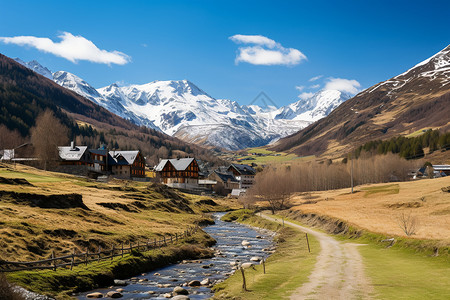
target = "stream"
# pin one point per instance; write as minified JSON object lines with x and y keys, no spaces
{"x":229,"y":250}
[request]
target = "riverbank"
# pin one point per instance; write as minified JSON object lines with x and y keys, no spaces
{"x":63,"y":283}
{"x":286,"y":269}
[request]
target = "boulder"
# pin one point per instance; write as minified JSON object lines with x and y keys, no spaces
{"x":194,"y":283}
{"x":94,"y":295}
{"x":178,"y":290}
{"x":120,"y":282}
{"x":113,"y":294}
{"x":181,"y":297}
{"x":247,"y":265}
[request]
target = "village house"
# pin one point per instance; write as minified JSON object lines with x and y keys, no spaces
{"x":245,"y":174}
{"x":120,"y":164}
{"x":179,"y":172}
{"x":225,"y":181}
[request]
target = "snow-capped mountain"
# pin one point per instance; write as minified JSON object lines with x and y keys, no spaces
{"x":416,"y":99}
{"x":36,"y":67}
{"x":180,"y":108}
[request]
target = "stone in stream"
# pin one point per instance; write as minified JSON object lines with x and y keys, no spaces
{"x":151,"y":292}
{"x":247,"y":265}
{"x":120,"y":290}
{"x":205,"y":266}
{"x":205,"y":281}
{"x":94,"y":295}
{"x":113,"y":294}
{"x":245,"y":243}
{"x":178,"y":290}
{"x":143,"y":279}
{"x":120,"y":282}
{"x":167,"y":295}
{"x":181,"y":297}
{"x":194,"y":283}
{"x":256,"y":258}
{"x":156,"y":274}
{"x":259,"y":237}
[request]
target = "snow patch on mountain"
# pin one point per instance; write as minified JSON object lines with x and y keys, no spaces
{"x":36,"y":67}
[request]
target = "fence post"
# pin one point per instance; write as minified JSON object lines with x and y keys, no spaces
{"x":131,"y":247}
{"x":244,"y":285}
{"x":122,"y":249}
{"x":53,"y":260}
{"x":264,"y":265}
{"x":307,"y":242}
{"x":155,"y":244}
{"x":99,"y":251}
{"x":73,"y":259}
{"x":86,"y":256}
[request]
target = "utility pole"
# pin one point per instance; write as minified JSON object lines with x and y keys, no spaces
{"x":351,"y":172}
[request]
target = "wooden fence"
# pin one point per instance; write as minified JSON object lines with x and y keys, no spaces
{"x":74,"y":259}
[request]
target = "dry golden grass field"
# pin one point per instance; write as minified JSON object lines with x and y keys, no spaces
{"x":378,"y":207}
{"x":120,"y":211}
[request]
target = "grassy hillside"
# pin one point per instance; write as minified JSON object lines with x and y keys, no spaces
{"x":378,"y":207}
{"x":33,"y":224}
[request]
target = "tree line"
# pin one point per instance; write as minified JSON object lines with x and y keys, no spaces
{"x":276,"y":183}
{"x":409,"y":148}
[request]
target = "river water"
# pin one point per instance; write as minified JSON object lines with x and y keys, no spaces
{"x":229,"y":249}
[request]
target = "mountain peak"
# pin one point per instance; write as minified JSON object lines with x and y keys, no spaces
{"x":36,"y":67}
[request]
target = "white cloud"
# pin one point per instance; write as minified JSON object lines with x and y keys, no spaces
{"x":305,"y":95}
{"x":300,"y":88}
{"x":315,"y":78}
{"x":350,"y":86}
{"x":253,"y":39}
{"x":72,"y":48}
{"x":265,"y":51}
{"x":315,"y":86}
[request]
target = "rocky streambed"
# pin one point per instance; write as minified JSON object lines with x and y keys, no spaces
{"x":193,"y":279}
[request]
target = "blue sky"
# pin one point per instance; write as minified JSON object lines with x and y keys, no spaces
{"x":363,"y":42}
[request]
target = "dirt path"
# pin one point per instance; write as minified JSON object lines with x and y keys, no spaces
{"x":338,"y":273}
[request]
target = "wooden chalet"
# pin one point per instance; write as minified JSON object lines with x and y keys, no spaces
{"x":178,"y":172}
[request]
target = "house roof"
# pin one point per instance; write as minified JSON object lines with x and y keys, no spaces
{"x":441,"y":167}
{"x":243,"y":169}
{"x":72,"y":154}
{"x":130,"y":156}
{"x":225,"y":176}
{"x":180,"y":164}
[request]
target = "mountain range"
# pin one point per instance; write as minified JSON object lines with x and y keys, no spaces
{"x":415,"y":100}
{"x":181,"y":109}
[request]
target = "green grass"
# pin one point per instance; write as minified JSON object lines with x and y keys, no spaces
{"x":286,"y":270}
{"x":397,"y":273}
{"x":407,"y":270}
{"x":417,"y":133}
{"x":385,"y":189}
{"x":30,"y":177}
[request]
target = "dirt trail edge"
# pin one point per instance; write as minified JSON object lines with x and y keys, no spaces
{"x":338,"y":273}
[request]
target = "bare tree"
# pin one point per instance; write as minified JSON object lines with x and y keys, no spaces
{"x":47,"y":135}
{"x":408,"y":223}
{"x":10,"y":139}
